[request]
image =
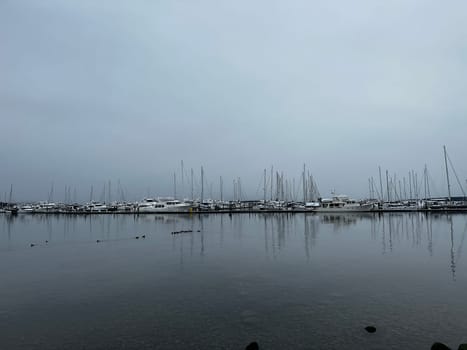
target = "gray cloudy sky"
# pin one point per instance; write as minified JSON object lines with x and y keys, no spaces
{"x":124,"y":90}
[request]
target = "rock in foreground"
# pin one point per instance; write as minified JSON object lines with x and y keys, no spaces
{"x":252,"y":346}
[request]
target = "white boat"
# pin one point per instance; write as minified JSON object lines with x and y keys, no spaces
{"x":178,"y":206}
{"x":150,"y":205}
{"x":45,"y":207}
{"x":343,"y":203}
{"x":403,"y":206}
{"x":311,"y":205}
{"x":96,"y":207}
{"x":26,"y":209}
{"x":124,"y":207}
{"x":207,"y":204}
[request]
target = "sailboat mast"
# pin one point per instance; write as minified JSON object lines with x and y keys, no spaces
{"x":415,"y":184}
{"x":221,"y":184}
{"x":183,"y":179}
{"x":235,"y":189}
{"x":447,"y":172}
{"x":405,"y":189}
{"x":239,"y":188}
{"x":425,"y":182}
{"x":410,"y":184}
{"x":304,"y":184}
{"x":272,"y":176}
{"x":282,"y":185}
{"x":381,"y":185}
{"x":387,"y":185}
{"x":51,"y":194}
{"x":202,"y":184}
{"x":192,"y":194}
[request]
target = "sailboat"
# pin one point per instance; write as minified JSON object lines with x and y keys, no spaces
{"x":11,"y":208}
{"x":449,"y":203}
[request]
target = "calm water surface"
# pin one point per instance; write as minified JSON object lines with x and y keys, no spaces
{"x":299,"y":281}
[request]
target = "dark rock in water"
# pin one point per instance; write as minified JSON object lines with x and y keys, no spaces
{"x":462,"y":347}
{"x":137,"y":237}
{"x":440,"y":346}
{"x":200,"y":231}
{"x":143,"y":236}
{"x":252,"y":346}
{"x":32,"y":244}
{"x":46,"y":241}
{"x":98,"y":241}
{"x":370,"y":329}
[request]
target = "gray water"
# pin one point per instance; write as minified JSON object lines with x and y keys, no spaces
{"x":299,"y":281}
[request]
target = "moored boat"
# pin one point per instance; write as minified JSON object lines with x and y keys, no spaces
{"x":342,"y":203}
{"x":150,"y":205}
{"x":12,"y":210}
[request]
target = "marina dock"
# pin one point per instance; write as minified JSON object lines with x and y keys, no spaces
{"x":237,"y":207}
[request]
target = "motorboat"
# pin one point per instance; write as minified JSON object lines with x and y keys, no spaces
{"x":26,"y":209}
{"x":96,"y":207}
{"x":151,"y":205}
{"x":342,"y":203}
{"x":176,"y":205}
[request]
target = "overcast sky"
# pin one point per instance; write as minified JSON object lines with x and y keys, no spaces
{"x":92,"y":91}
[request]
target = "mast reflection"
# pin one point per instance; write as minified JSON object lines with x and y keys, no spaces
{"x":275,"y":234}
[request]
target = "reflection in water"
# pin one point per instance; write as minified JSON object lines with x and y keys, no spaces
{"x":412,"y":227}
{"x":307,"y":238}
{"x":311,"y":231}
{"x":453,"y":263}
{"x":339,"y":220}
{"x":429,"y":234}
{"x":278,"y":233}
{"x":201,"y":227}
{"x":461,"y":244}
{"x":232,"y":279}
{"x":456,"y":253}
{"x":277,"y":228}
